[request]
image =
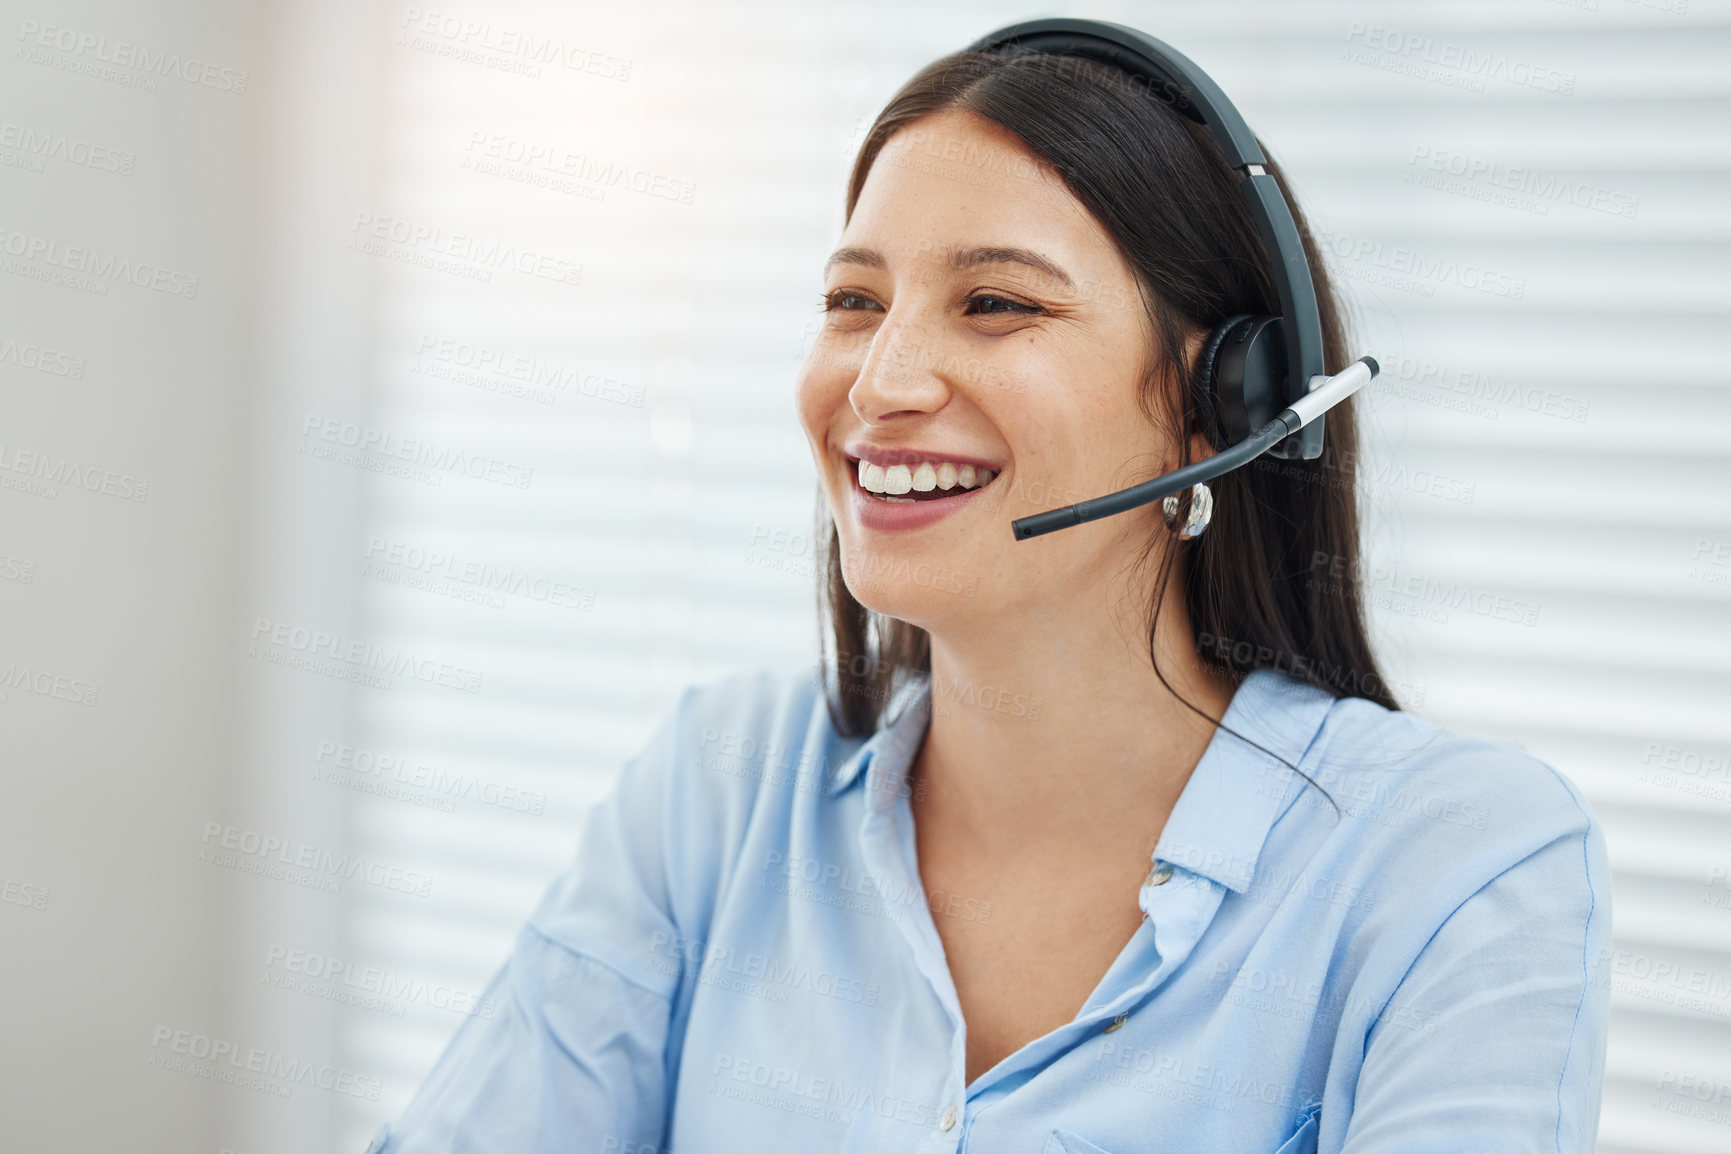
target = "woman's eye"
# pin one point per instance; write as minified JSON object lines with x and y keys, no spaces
{"x":984,"y":304}
{"x":847,"y":302}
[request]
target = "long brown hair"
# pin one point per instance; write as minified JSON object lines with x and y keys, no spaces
{"x":1275,"y":580}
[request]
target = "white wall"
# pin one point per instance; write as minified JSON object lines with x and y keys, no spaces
{"x":103,"y":802}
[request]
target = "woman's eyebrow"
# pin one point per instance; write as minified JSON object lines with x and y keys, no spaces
{"x":870,"y":257}
{"x":971,"y":258}
{"x":974,"y":257}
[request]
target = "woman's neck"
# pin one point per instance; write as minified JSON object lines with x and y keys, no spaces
{"x":1059,"y":733}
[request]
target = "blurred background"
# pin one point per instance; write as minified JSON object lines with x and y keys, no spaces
{"x":395,"y":415}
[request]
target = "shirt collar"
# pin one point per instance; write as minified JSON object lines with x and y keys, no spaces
{"x":893,"y":746}
{"x":1222,"y":818}
{"x":1218,"y":827}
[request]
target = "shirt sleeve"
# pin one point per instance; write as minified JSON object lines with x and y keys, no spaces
{"x":574,"y":1056}
{"x":1494,"y":1041}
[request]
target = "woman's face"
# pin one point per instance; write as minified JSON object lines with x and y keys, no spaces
{"x":980,"y":327}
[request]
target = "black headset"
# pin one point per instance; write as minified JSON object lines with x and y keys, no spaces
{"x":1252,"y":369}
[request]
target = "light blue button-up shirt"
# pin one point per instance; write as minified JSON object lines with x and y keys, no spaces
{"x":742,"y":957}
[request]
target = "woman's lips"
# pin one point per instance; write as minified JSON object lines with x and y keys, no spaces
{"x":901,"y":512}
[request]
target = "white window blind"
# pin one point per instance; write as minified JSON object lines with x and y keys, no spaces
{"x":1522,"y":202}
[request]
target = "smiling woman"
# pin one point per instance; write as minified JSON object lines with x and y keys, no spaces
{"x":1107,"y":841}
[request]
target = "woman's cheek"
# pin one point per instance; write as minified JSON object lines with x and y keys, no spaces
{"x":816,"y":408}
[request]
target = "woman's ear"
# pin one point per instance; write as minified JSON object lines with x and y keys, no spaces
{"x":1193,"y":349}
{"x":1200,"y":446}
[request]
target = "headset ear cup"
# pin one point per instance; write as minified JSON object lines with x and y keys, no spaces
{"x":1209,"y":401}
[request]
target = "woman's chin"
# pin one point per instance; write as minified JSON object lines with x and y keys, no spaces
{"x":921,"y":593}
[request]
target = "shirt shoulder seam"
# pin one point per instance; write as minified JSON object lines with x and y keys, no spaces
{"x":589,"y":957}
{"x":1592,"y":904}
{"x":1586,"y":971}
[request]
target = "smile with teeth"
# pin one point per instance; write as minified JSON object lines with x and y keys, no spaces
{"x":929,"y":480}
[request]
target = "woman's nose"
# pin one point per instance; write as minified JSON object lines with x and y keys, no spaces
{"x":902,"y":371}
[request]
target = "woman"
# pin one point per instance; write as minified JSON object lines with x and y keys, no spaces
{"x":1109,"y":840}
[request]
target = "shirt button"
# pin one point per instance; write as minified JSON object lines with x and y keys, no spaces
{"x":948,"y":1121}
{"x":1116,"y":1022}
{"x":1159,"y":876}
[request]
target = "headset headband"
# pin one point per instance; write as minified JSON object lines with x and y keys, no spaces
{"x":1176,"y":80}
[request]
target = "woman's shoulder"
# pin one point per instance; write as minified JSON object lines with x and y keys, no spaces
{"x":751,"y":706}
{"x":727,"y":751}
{"x":767,"y":725}
{"x":1399,"y":759}
{"x":1418,"y":801}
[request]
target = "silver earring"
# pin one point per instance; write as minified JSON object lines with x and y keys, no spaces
{"x":1201,"y":509}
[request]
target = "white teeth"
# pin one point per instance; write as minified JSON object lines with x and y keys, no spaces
{"x":890,"y":481}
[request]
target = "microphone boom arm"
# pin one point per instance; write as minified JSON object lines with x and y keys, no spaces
{"x":1324,"y":394}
